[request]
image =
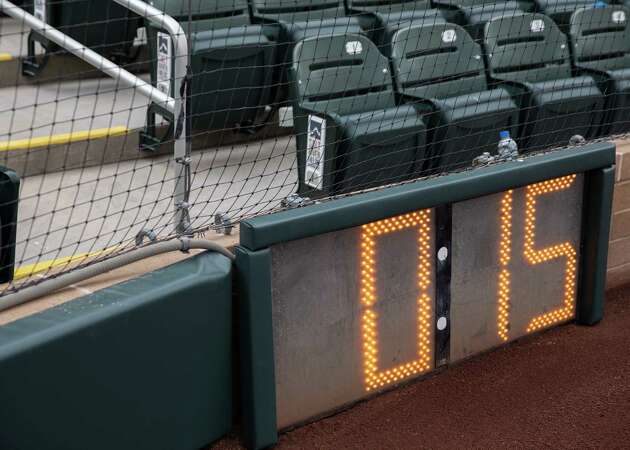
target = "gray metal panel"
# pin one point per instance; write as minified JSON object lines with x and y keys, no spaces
{"x":319,"y":293}
{"x":535,"y":289}
{"x":317,"y":318}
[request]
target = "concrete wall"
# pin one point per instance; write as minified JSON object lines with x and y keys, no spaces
{"x":619,"y":250}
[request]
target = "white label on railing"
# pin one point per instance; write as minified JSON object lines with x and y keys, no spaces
{"x":449,"y":36}
{"x":164,"y":62}
{"x":619,"y":16}
{"x":285,"y":117}
{"x":39,"y":9}
{"x":315,"y":151}
{"x":537,"y":25}
{"x":354,"y":47}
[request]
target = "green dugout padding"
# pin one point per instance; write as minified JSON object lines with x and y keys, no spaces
{"x":257,"y":235}
{"x":142,"y":365}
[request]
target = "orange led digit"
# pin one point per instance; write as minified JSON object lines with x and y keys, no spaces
{"x":375,"y":378}
{"x":505,"y":254}
{"x":534,"y":257}
{"x":546,"y":254}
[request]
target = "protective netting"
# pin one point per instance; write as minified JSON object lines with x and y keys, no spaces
{"x":289,"y":102}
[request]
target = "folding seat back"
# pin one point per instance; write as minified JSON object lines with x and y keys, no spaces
{"x":382,"y":18}
{"x":206,"y":15}
{"x":437,"y":61}
{"x":384,"y":6}
{"x":442,"y":64}
{"x":530,"y":51}
{"x":600,"y":38}
{"x":232,"y":66}
{"x":213,"y":14}
{"x":350,"y":133}
{"x":466,"y":3}
{"x":528,"y":48}
{"x":203,"y":9}
{"x":288,"y":11}
{"x":560,"y":10}
{"x":342,"y":74}
{"x":474,"y":14}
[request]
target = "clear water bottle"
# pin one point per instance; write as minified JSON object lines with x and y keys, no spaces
{"x":507,"y":147}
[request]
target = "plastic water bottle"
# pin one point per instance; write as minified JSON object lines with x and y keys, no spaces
{"x":507,"y":147}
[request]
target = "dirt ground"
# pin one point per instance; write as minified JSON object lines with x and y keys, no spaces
{"x":565,"y":388}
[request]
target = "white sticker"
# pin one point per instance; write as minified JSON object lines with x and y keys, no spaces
{"x":537,"y":25}
{"x":315,"y":152}
{"x":354,"y":47}
{"x":285,"y":114}
{"x":619,"y":16}
{"x":164,"y":62}
{"x":39,"y":9}
{"x":449,"y":36}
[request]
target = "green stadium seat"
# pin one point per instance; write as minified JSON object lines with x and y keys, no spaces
{"x":474,"y":14}
{"x":350,"y":133}
{"x":382,"y":18}
{"x":600,"y":38}
{"x":300,"y":19}
{"x":443,"y":65}
{"x":288,"y":21}
{"x":103,"y":26}
{"x":232,"y":63}
{"x":530,"y":55}
{"x":560,"y":10}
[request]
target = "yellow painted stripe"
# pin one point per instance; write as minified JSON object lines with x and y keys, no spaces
{"x":60,"y":139}
{"x":42,"y":266}
{"x":4,"y":57}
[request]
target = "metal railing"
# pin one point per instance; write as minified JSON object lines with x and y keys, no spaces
{"x":175,"y":105}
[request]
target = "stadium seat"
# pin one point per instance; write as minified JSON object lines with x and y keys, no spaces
{"x":383,"y":17}
{"x":474,"y":14}
{"x":103,"y":26}
{"x":9,"y":202}
{"x":601,"y":43}
{"x":530,"y":56}
{"x":560,"y":10}
{"x":232,"y":64}
{"x":288,"y":21}
{"x":300,"y":19}
{"x":442,"y":64}
{"x":350,"y":133}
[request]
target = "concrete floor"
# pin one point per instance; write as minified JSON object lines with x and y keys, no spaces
{"x":92,"y":208}
{"x":13,"y":35}
{"x":45,"y":109}
{"x":86,"y":210}
{"x":52,"y":108}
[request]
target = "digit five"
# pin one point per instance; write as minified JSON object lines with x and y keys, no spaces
{"x":534,"y":257}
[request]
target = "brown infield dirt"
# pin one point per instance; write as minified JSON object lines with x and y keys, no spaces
{"x":568,"y":387}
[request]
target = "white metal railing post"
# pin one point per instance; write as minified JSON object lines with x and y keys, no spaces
{"x":175,"y":105}
{"x":180,"y":68}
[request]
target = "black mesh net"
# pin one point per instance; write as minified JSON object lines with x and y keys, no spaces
{"x":286,"y":103}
